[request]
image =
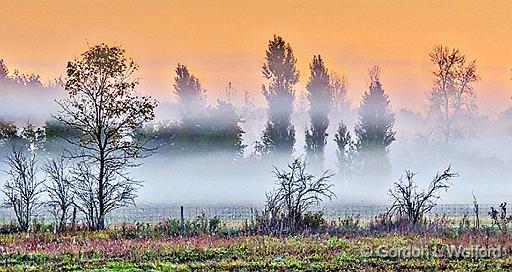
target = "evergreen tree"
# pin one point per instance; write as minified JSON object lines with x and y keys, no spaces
{"x":319,"y":97}
{"x":281,"y":73}
{"x":225,"y":120}
{"x":202,"y":128}
{"x":190,"y":95}
{"x":345,"y":150}
{"x":374,"y":130}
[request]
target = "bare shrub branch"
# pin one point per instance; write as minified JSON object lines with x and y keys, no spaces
{"x":296,"y":192}
{"x":412,"y":203}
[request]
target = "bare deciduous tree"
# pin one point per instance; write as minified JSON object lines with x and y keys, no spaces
{"x":103,"y":107}
{"x":297,"y":192}
{"x":339,"y":87}
{"x":85,"y":188}
{"x":60,"y":191}
{"x":118,"y":191}
{"x":452,"y":99}
{"x":413,"y":204}
{"x":23,"y":188}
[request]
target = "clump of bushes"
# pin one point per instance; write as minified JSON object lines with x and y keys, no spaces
{"x":172,"y":227}
{"x":314,"y":220}
{"x":500,"y":219}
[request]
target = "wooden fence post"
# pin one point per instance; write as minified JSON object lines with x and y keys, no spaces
{"x":182,"y":221}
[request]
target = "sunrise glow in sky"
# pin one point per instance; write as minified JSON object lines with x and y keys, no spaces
{"x":224,"y":41}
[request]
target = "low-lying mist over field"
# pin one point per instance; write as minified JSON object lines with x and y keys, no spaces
{"x":483,"y":162}
{"x":225,"y":153}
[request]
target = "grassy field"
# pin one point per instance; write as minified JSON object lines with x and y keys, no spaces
{"x":112,"y":250}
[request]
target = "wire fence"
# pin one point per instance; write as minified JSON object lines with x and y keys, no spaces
{"x":152,"y":214}
{"x":237,"y":213}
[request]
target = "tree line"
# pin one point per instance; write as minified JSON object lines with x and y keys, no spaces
{"x":104,"y":127}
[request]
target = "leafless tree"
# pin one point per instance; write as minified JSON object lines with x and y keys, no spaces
{"x":339,"y":87}
{"x":230,"y":92}
{"x":452,"y":99}
{"x":60,"y":191}
{"x":296,"y":192}
{"x":103,"y":107}
{"x":412,"y":203}
{"x":118,"y":191}
{"x":23,"y":188}
{"x":86,"y":188}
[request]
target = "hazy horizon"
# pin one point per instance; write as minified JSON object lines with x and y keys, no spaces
{"x":226,"y":42}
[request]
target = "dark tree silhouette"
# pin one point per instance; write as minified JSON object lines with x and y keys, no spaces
{"x":202,"y":128}
{"x":18,"y":79}
{"x":4,"y":71}
{"x":103,"y":108}
{"x":60,"y":191}
{"x":319,"y":94}
{"x":281,"y":73}
{"x":345,"y":150}
{"x":218,"y":131}
{"x":190,"y":95}
{"x":226,"y":120}
{"x":297,"y":191}
{"x":23,"y":188}
{"x":8,"y":129}
{"x":374,"y":130}
{"x":452,"y":99}
{"x":413,"y":204}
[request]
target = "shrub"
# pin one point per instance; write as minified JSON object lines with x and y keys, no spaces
{"x":296,"y":192}
{"x":411,"y":203}
{"x":314,"y":220}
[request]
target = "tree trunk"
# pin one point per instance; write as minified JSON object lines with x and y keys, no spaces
{"x":62,"y":221}
{"x":101,"y":222}
{"x":101,"y":197}
{"x":73,"y":221}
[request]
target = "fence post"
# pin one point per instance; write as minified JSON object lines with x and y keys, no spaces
{"x":182,"y":220}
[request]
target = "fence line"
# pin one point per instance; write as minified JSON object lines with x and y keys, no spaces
{"x":153,"y":214}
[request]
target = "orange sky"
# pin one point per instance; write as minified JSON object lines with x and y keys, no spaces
{"x":224,"y":41}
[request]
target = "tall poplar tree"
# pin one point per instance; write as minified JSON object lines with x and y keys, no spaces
{"x":319,"y":95}
{"x":280,"y":71}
